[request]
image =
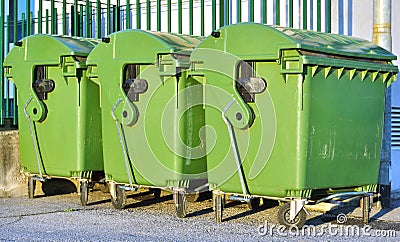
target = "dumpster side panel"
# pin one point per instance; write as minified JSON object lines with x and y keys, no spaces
{"x":191,"y":124}
{"x":114,"y":165}
{"x":157,"y":143}
{"x":345,"y":128}
{"x":90,"y":151}
{"x":272,"y":149}
{"x":57,"y":134}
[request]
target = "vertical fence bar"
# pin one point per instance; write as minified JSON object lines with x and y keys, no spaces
{"x":53,"y":17}
{"x":239,"y":10}
{"x":191,"y":17}
{"x":148,"y":15}
{"x":226,"y":12}
{"x":138,"y":15}
{"x":119,"y":27}
{"x":98,"y":19}
{"x":318,"y":15}
{"x":6,"y":50}
{"x":277,"y":12}
{"x":328,"y":16}
{"x":28,"y":11}
{"x":251,"y":10}
{"x":55,"y":28}
{"x":169,"y":13}
{"x":158,"y":15}
{"x":7,"y":38}
{"x":118,"y":16}
{"x":6,"y":81}
{"x":23,"y":26}
{"x":128,"y":15}
{"x":76,"y":21}
{"x":214,"y":14}
{"x":304,"y":14}
{"x":108,"y":17}
{"x":15,"y":21}
{"x":87,"y":18}
{"x":8,"y":32}
{"x":180,"y":16}
{"x":40,"y":16}
{"x":90,"y":23}
{"x":202,"y":16}
{"x":64,"y":17}
{"x":114,"y":19}
{"x":32,"y":23}
{"x":2,"y":11}
{"x":47,"y":21}
{"x":81,"y":20}
{"x":263,"y":11}
{"x":64,"y":23}
{"x":290,"y":13}
{"x":221,"y":13}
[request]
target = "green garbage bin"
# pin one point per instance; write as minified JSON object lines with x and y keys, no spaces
{"x":59,"y":112}
{"x":298,"y":114}
{"x":150,"y":127}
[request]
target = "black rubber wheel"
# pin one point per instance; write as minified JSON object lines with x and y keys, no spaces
{"x":254,"y":203}
{"x":284,"y":217}
{"x":31,"y":187}
{"x":156,"y":192}
{"x":181,"y":205}
{"x":219,"y":207}
{"x":119,"y":202}
{"x":84,"y":190}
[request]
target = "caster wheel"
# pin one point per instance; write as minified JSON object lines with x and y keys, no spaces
{"x":31,"y":187}
{"x":284,"y":217}
{"x":181,"y":204}
{"x":84,"y":190}
{"x":119,"y":202}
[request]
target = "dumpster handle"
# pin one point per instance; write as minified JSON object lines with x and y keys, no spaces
{"x":33,"y":137}
{"x":235,"y":148}
{"x":121,"y":141}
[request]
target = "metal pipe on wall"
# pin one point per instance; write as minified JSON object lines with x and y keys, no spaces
{"x":382,"y":36}
{"x":2,"y":59}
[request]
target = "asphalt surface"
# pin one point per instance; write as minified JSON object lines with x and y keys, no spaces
{"x":62,"y":218}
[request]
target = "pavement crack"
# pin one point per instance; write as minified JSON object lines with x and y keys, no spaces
{"x":68,"y":210}
{"x":7,"y":223}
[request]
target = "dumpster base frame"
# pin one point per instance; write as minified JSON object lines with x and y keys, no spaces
{"x":179,"y":193}
{"x":77,"y":181}
{"x":296,"y":203}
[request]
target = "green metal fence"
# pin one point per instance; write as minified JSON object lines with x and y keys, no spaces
{"x":97,"y":18}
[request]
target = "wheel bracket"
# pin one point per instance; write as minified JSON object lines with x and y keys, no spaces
{"x":296,"y":206}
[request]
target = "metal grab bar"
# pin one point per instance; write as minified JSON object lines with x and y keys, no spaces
{"x":235,"y":148}
{"x":34,"y":141}
{"x":121,"y":141}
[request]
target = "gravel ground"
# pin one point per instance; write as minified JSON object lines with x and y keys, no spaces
{"x":62,"y":218}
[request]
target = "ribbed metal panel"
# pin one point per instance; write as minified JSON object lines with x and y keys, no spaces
{"x":396,"y":128}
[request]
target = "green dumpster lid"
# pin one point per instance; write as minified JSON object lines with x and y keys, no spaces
{"x":47,"y":49}
{"x":142,"y":46}
{"x":252,"y":39}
